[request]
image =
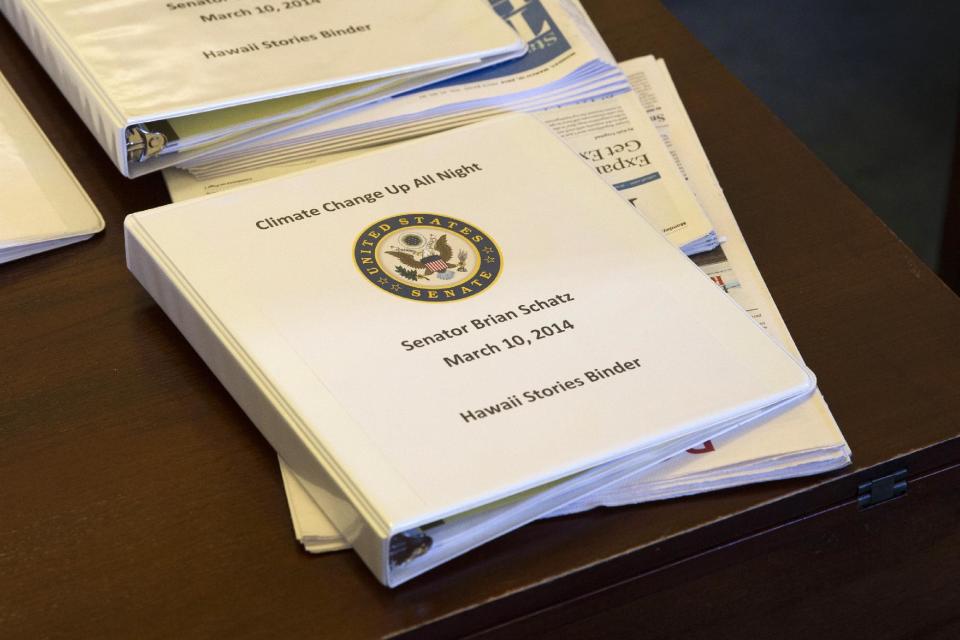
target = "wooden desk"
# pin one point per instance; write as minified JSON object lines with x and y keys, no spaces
{"x":137,"y":500}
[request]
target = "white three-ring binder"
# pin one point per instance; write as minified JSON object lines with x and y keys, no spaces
{"x":161,"y":82}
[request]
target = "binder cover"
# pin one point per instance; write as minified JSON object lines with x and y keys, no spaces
{"x":454,"y":336}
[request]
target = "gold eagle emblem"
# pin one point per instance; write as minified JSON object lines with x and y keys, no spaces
{"x":437,"y":259}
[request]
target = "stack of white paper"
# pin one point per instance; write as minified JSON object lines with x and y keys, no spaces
{"x":566,"y":62}
{"x":613,"y":135}
{"x":160,"y":82}
{"x":568,"y":79}
{"x":450,"y":338}
{"x":43,"y":205}
{"x":802,"y":441}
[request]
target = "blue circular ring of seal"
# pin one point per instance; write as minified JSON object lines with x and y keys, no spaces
{"x":367,"y":244}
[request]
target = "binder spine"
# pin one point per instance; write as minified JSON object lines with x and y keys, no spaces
{"x":160,"y":280}
{"x":107,"y":128}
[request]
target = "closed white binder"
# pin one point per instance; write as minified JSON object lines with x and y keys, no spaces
{"x":161,"y":82}
{"x":454,"y":336}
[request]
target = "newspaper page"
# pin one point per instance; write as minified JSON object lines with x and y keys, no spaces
{"x":616,"y":138}
{"x":652,"y":84}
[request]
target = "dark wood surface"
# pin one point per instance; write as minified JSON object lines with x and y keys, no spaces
{"x":137,"y":500}
{"x":949,"y":266}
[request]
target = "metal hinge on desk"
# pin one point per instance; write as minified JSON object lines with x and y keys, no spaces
{"x":882,"y":489}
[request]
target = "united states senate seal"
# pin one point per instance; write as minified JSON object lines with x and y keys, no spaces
{"x":427,"y":257}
